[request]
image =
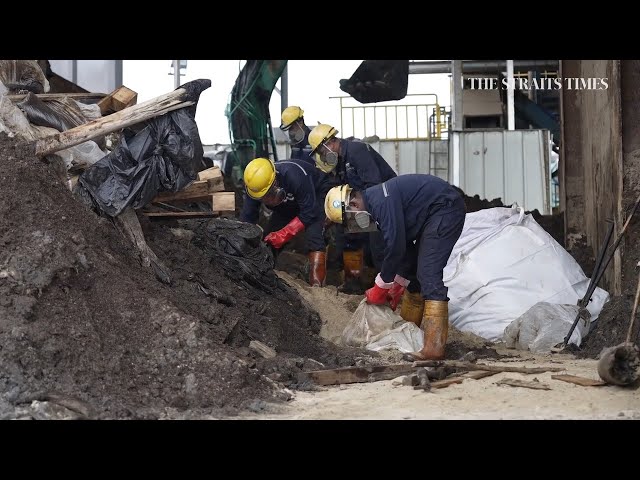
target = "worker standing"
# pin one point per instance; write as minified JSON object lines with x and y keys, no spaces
{"x":297,"y":131}
{"x":360,"y":166}
{"x":294,"y":190}
{"x":415,"y":207}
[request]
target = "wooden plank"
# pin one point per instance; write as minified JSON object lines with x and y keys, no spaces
{"x":199,"y":190}
{"x":582,"y":381}
{"x":180,"y":214}
{"x":477,"y":375}
{"x":213,"y":172}
{"x":47,"y":97}
{"x":446,"y":382}
{"x":339,"y":376}
{"x":223,"y":202}
{"x":514,"y":382}
{"x":129,"y":116}
{"x":488,"y":368}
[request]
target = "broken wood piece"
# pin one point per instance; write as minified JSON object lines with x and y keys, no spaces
{"x":488,"y":368}
{"x":478,"y":374}
{"x":339,"y":376}
{"x":582,"y":381}
{"x":128,"y":225}
{"x":460,"y":377}
{"x":124,"y":118}
{"x":121,"y":98}
{"x":264,"y":350}
{"x":446,"y":382}
{"x":48,"y":97}
{"x":196,"y":191}
{"x":514,"y":382}
{"x":213,"y":172}
{"x":223,"y":202}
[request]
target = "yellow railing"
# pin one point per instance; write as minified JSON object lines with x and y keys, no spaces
{"x":399,"y":112}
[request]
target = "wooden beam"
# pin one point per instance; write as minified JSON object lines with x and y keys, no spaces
{"x":514,"y":382}
{"x":47,"y":97}
{"x":339,"y":376}
{"x":582,"y":381}
{"x":488,"y":368}
{"x":477,"y":375}
{"x":199,"y":190}
{"x":111,"y":123}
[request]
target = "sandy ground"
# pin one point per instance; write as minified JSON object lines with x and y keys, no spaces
{"x":472,"y":399}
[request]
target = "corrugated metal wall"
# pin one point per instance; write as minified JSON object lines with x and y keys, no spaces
{"x":509,"y":164}
{"x":416,"y":156}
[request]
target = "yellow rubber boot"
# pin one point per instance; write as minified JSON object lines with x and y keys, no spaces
{"x":412,"y":307}
{"x":435,"y":324}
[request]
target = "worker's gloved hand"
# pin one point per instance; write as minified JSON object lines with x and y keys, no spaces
{"x":379,"y":293}
{"x":279,"y":238}
{"x":395,"y":292}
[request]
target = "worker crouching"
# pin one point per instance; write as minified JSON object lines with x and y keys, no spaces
{"x":421,"y":218}
{"x":294,"y":191}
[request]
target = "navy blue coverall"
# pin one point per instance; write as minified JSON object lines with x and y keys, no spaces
{"x":423,"y":208}
{"x":361,"y":166}
{"x":306,"y":187}
{"x":302,"y":150}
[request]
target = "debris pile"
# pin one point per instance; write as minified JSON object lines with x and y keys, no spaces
{"x":84,"y":324}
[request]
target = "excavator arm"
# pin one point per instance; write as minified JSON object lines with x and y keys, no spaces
{"x":250,"y":128}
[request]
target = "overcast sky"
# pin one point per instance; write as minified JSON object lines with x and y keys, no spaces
{"x":310,"y":84}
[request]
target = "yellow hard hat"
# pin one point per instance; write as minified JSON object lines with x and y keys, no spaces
{"x":320,"y":134}
{"x":290,"y":115}
{"x":336,"y":201}
{"x":259,"y":176}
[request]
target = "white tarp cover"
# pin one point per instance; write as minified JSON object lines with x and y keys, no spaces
{"x":502,"y":265}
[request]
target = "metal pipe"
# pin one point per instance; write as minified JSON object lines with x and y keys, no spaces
{"x":176,"y":73}
{"x":284,"y":88}
{"x":511,"y":119}
{"x":481,"y":66}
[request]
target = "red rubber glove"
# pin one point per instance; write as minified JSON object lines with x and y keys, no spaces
{"x":396,"y":291}
{"x":282,"y":236}
{"x":379,"y":293}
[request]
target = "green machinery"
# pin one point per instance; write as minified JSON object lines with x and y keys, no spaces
{"x":250,"y":128}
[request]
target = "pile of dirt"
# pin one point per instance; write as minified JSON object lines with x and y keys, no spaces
{"x":610,"y":329}
{"x":91,"y":333}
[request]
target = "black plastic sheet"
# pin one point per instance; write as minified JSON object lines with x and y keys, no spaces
{"x":40,"y":113}
{"x":164,"y":156}
{"x":239,"y":248}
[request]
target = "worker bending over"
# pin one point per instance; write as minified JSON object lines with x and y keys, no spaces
{"x":408,"y":208}
{"x":360,"y":166}
{"x":294,"y":190}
